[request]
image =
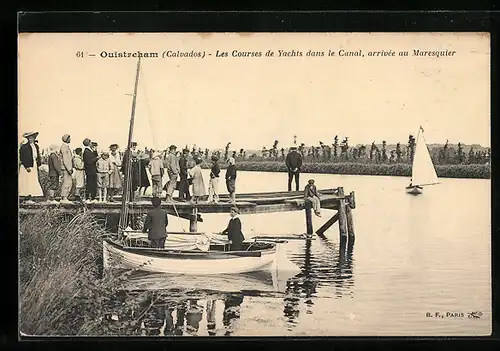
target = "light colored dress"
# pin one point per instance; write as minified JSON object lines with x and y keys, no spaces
{"x":198,"y":184}
{"x":115,"y":180}
{"x":29,"y":184}
{"x":78,"y":171}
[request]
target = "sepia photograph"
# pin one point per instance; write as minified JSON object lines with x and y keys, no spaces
{"x":254,"y":184}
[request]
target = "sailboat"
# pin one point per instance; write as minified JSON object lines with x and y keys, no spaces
{"x":194,"y":257}
{"x":423,"y":172}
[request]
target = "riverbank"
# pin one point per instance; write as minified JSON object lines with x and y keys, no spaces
{"x":61,"y":290}
{"x":472,"y":171}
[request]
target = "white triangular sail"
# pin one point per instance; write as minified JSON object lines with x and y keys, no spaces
{"x":423,"y":172}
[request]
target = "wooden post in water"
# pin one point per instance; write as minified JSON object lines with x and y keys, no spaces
{"x":309,"y":225}
{"x":350,"y":224}
{"x":193,"y":221}
{"x":342,"y":214}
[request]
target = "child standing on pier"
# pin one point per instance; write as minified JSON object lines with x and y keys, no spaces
{"x":213,"y":186}
{"x":311,"y":194}
{"x":78,"y":172}
{"x":103,"y":172}
{"x":156,"y":170}
{"x":54,"y":172}
{"x":231,"y":180}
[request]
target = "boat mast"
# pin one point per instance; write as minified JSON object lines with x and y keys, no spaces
{"x":126,"y":187}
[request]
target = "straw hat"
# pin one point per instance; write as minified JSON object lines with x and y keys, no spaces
{"x":28,"y":134}
{"x":235,"y":209}
{"x":66,"y":138}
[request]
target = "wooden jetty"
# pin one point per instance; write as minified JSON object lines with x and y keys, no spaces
{"x":249,"y":203}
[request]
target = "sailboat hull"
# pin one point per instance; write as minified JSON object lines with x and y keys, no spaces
{"x":414,"y":190}
{"x":197,"y":263}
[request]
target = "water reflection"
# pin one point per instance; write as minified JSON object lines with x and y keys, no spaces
{"x":179,"y":323}
{"x":231,"y":314}
{"x":157,"y":314}
{"x":194,"y":315}
{"x":327,"y":266}
{"x":210,"y":312}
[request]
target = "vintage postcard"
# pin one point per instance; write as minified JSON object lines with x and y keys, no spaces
{"x":265,"y":184}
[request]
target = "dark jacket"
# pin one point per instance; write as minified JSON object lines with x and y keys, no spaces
{"x":233,"y":231}
{"x":90,"y":161}
{"x":231,"y":172}
{"x":156,"y":223}
{"x":26,"y":155}
{"x":183,"y":167}
{"x":125,"y":160}
{"x":293,"y":160}
{"x":215,"y":171}
{"x":54,"y":165}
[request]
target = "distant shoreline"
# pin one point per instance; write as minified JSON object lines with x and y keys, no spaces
{"x":472,"y":171}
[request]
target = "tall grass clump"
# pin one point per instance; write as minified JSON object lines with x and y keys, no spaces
{"x":60,"y":285}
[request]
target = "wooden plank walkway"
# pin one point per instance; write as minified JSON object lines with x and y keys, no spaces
{"x":250,"y":203}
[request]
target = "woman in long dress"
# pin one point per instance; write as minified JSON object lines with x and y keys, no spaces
{"x":30,"y":160}
{"x":198,"y":184}
{"x":144,"y":182}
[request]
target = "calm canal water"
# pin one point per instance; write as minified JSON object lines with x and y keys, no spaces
{"x":412,"y":256}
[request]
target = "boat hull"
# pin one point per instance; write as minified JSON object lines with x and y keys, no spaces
{"x":414,"y":190}
{"x":193,"y":263}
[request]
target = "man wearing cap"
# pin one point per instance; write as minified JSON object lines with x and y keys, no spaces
{"x":293,"y":163}
{"x":90,"y":158}
{"x":30,"y":160}
{"x":172,"y":171}
{"x":66,"y":168}
{"x":233,"y":230}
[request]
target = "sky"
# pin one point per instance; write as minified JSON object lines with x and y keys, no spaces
{"x":252,"y":101}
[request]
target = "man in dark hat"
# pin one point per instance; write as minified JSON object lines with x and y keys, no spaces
{"x":183,"y":173}
{"x":172,"y":171}
{"x":90,"y":158}
{"x":30,"y":160}
{"x":293,"y":163}
{"x":156,"y":224}
{"x":233,"y":230}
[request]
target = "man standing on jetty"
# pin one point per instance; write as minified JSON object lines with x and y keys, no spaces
{"x":90,"y":158}
{"x":156,"y":224}
{"x":66,"y":169}
{"x":172,"y":171}
{"x":293,"y":163}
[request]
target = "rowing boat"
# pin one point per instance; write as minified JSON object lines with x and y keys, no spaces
{"x":254,"y":256}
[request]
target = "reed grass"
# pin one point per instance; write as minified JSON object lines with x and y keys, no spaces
{"x":61,"y":288}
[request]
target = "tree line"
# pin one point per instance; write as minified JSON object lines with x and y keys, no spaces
{"x":343,"y":152}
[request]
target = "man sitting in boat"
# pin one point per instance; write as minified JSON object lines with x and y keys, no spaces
{"x":156,"y":224}
{"x":233,"y":230}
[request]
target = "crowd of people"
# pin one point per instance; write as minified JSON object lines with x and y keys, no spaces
{"x":99,"y":175}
